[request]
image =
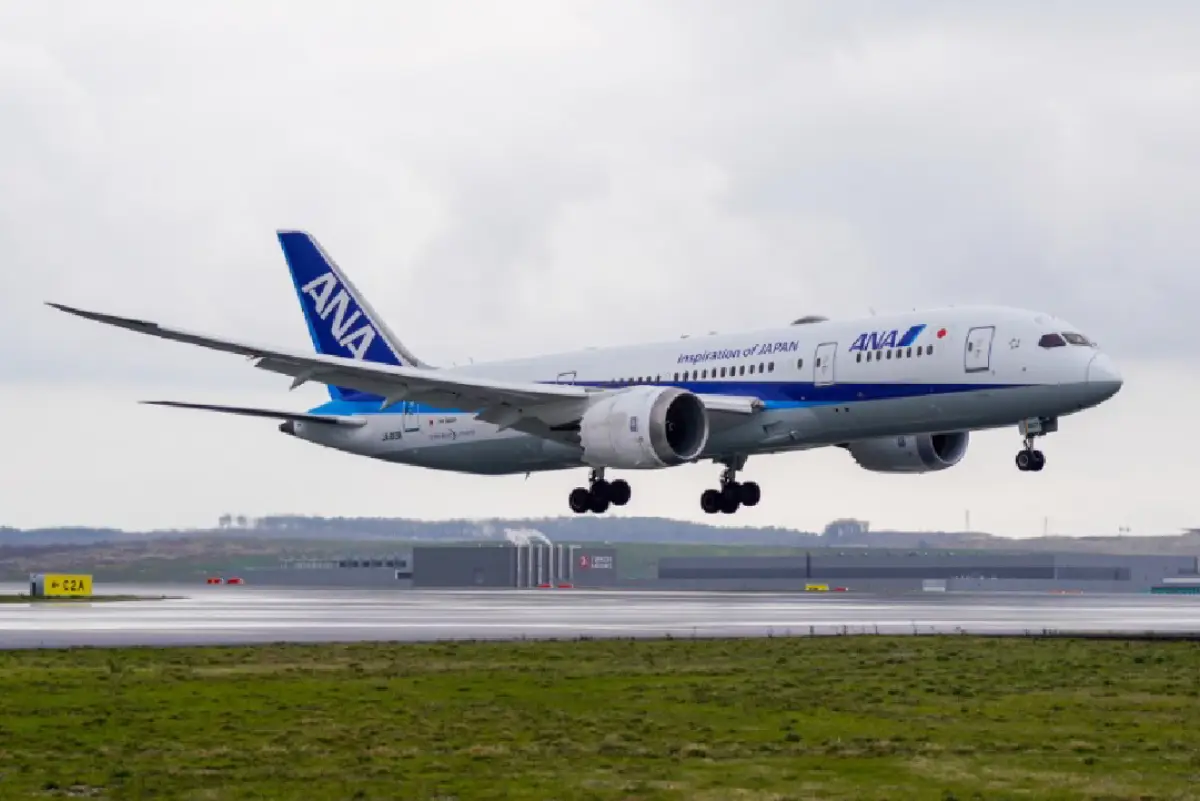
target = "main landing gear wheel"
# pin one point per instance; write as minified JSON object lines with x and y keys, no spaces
{"x":599,"y":494}
{"x":732,"y":495}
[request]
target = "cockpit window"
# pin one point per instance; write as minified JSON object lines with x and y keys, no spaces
{"x":1077,"y":339}
{"x":1052,"y":341}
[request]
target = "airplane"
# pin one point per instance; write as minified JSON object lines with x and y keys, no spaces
{"x":901,"y":393}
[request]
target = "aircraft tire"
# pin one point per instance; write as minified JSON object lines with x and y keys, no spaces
{"x":580,"y":500}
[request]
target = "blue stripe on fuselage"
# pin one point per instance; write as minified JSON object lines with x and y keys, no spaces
{"x":774,"y":395}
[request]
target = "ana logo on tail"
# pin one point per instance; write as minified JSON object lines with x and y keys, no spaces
{"x":329,"y":297}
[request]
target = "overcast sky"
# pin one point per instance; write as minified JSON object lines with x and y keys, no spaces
{"x":504,"y":179}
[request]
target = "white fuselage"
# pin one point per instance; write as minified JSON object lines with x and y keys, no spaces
{"x":821,"y":383}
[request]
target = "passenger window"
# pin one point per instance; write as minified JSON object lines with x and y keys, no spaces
{"x":909,"y":352}
{"x":929,"y":350}
{"x":677,"y":376}
{"x":752,"y":369}
{"x":770,"y":367}
{"x":760,"y":367}
{"x":1052,"y":341}
{"x":742,"y":370}
{"x":857,"y":358}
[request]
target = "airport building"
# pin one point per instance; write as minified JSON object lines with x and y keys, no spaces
{"x":885,"y":570}
{"x":494,"y":565}
{"x":515,"y":565}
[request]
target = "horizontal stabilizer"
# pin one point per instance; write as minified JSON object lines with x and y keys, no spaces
{"x":299,"y":417}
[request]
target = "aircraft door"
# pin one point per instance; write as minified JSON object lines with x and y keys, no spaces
{"x":409,"y":419}
{"x":824,"y":364}
{"x":978,"y":355}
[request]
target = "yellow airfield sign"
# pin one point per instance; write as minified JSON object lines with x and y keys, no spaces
{"x":65,"y":585}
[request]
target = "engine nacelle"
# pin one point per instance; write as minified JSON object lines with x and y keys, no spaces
{"x":644,"y":428}
{"x":923,"y":453}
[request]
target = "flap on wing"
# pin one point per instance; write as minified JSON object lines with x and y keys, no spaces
{"x":327,"y":419}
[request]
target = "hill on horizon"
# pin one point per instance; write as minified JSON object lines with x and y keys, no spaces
{"x":845,"y":532}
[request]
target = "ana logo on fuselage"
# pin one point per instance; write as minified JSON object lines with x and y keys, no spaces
{"x":329,"y":297}
{"x":878,"y":340}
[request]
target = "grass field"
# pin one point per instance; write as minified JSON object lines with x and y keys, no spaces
{"x":840,"y":717}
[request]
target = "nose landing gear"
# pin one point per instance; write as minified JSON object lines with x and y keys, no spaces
{"x":732,"y":495}
{"x":1029,"y":459}
{"x":599,"y":494}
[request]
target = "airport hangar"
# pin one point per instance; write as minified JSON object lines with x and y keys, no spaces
{"x":499,"y":565}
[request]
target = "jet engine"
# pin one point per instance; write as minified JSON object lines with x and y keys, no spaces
{"x":644,"y":428}
{"x":922,"y":453}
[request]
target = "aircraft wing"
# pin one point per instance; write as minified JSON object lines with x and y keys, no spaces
{"x":525,"y":406}
{"x":302,"y":417}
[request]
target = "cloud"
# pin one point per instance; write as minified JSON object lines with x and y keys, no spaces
{"x":509,"y":180}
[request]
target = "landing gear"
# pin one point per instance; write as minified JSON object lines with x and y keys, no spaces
{"x":1029,"y":459}
{"x":599,"y":494}
{"x":732,"y":495}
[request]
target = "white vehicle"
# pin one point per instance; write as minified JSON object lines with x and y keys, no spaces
{"x":901,"y":392}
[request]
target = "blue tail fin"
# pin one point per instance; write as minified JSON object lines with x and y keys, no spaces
{"x":340,"y":321}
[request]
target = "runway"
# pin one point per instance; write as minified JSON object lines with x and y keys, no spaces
{"x":245,"y":614}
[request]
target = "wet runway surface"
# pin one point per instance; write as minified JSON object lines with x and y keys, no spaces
{"x":233,"y":614}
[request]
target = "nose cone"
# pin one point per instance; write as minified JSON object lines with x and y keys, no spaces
{"x":1103,"y":375}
